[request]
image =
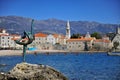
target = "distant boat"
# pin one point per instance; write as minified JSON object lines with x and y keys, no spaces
{"x":3,"y":65}
{"x":113,"y":53}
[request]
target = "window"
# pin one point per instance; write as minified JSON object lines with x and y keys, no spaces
{"x":2,"y":37}
{"x":69,"y":46}
{"x":79,"y":45}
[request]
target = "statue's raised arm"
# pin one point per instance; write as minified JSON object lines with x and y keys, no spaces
{"x":27,"y":38}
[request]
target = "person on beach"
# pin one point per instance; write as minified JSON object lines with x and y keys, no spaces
{"x":35,"y":53}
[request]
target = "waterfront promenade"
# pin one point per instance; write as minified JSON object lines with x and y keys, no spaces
{"x":19,"y":52}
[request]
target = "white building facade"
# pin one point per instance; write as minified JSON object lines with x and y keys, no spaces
{"x":6,"y":41}
{"x":117,"y":38}
{"x":75,"y":45}
{"x":51,"y":39}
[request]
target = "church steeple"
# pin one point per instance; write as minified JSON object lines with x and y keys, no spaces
{"x":68,"y":30}
{"x":87,"y":35}
{"x":118,"y":30}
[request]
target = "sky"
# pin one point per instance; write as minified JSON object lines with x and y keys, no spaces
{"x":103,"y":11}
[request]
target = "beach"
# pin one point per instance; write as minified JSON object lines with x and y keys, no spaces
{"x":19,"y":52}
{"x":10,"y":52}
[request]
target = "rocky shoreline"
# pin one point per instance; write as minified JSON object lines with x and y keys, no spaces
{"x":26,"y":71}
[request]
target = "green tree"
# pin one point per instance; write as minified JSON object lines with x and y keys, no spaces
{"x":75,"y":35}
{"x":96,"y":35}
{"x":115,"y":45}
{"x":86,"y":46}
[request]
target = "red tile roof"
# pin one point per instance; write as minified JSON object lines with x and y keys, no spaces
{"x":40,"y":35}
{"x":81,"y":39}
{"x":14,"y":35}
{"x":4,"y":35}
{"x":19,"y":38}
{"x":102,"y":40}
{"x":14,"y":38}
{"x":57,"y":36}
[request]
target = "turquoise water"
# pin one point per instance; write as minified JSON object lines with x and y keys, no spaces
{"x":75,"y":66}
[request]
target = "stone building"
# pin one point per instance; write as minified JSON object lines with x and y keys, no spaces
{"x":102,"y":45}
{"x":47,"y":42}
{"x":51,"y":39}
{"x":75,"y":45}
{"x":60,"y":39}
{"x":7,"y":40}
{"x":40,"y":40}
{"x":117,"y":37}
{"x":80,"y":44}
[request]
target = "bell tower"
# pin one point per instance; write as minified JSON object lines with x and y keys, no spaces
{"x":68,"y":35}
{"x":118,"y":30}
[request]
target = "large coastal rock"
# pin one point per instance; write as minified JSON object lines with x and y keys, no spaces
{"x":25,"y":71}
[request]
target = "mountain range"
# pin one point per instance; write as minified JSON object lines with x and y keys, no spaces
{"x":17,"y":24}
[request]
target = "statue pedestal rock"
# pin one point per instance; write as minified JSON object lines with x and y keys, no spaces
{"x":25,"y":71}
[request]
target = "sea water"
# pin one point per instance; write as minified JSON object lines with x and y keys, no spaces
{"x":76,"y":66}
